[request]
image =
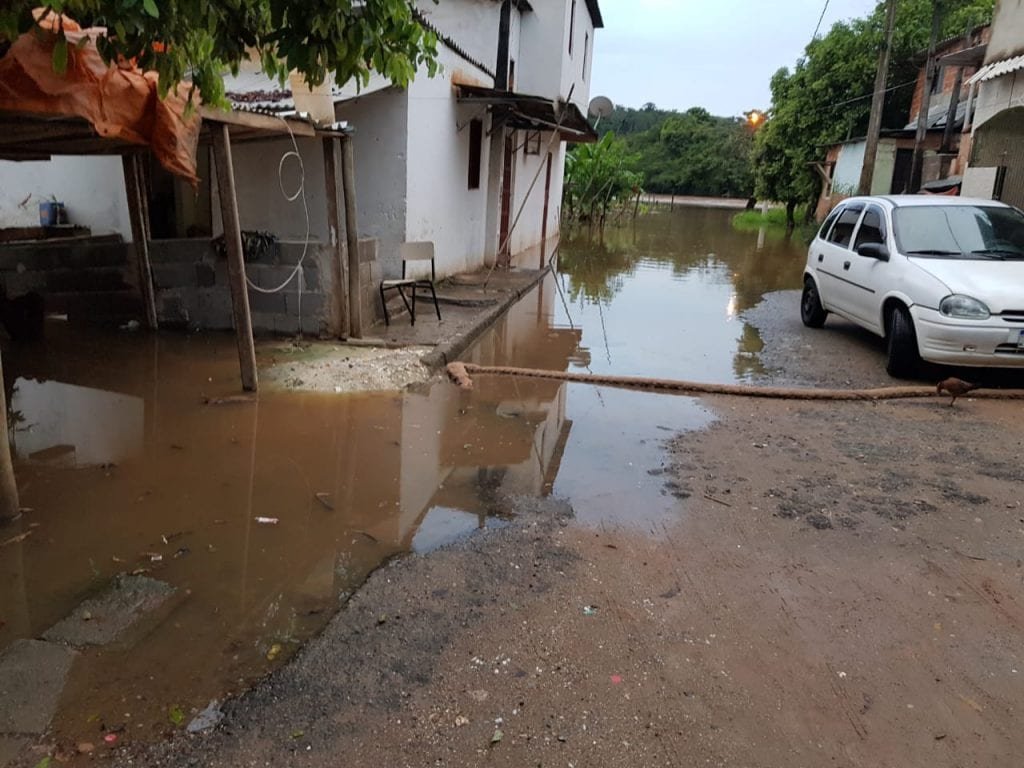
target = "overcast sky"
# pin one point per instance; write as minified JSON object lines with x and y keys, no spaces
{"x":716,"y":54}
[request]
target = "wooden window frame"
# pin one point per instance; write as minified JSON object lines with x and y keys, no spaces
{"x":476,"y":148}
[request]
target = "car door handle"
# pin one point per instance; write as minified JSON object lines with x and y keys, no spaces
{"x":821,"y":257}
{"x":846,"y":265}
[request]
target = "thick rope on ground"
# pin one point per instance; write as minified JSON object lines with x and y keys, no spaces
{"x":460,"y":374}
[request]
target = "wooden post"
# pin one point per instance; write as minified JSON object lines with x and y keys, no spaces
{"x":336,"y":227}
{"x":236,"y":260}
{"x":348,"y":179}
{"x":8,"y":486}
{"x":140,"y":235}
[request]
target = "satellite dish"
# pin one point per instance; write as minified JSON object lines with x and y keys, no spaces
{"x":601,"y":106}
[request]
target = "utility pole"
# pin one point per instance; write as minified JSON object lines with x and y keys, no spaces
{"x":926,"y":100}
{"x":867,"y":171}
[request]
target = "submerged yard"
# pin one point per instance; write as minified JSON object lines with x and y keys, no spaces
{"x":592,"y":574}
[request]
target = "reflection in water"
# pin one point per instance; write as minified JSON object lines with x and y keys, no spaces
{"x":663,"y":298}
{"x":119,"y":461}
{"x":79,"y":426}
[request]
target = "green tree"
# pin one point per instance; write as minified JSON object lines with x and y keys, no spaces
{"x":199,"y":40}
{"x":597,"y":176}
{"x":826,"y":97}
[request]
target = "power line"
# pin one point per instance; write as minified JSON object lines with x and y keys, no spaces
{"x":820,"y":19}
{"x":870,"y":95}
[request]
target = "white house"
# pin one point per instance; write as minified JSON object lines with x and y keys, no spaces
{"x":459,"y":158}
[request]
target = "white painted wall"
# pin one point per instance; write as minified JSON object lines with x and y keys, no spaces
{"x":996,"y":95}
{"x":573,"y":72}
{"x":380,"y":146}
{"x":473,"y":24}
{"x":92,"y":189}
{"x":543,"y":45}
{"x":441,"y":207}
{"x":1007,"y":31}
{"x":528,"y":231}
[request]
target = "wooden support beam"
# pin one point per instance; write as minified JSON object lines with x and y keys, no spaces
{"x":340,"y":321}
{"x":8,"y":486}
{"x":272,"y":125}
{"x":236,"y":259}
{"x":140,"y":235}
{"x":348,"y":178}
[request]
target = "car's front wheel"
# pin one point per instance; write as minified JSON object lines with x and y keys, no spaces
{"x":811,"y":311}
{"x":903,"y":361}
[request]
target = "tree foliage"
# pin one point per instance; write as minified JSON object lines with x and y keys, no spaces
{"x":686,"y":153}
{"x":597,"y":176}
{"x":199,"y":40}
{"x":826,"y":97}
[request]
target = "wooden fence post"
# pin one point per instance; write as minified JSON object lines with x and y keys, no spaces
{"x":236,"y":258}
{"x":336,"y":225}
{"x":348,"y":178}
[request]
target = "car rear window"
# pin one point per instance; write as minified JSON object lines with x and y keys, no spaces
{"x":959,"y":231}
{"x":842,"y":232}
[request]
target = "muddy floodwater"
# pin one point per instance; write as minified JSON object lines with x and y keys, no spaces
{"x":264,"y":516}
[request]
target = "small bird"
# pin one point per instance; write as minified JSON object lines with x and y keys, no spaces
{"x":955,"y":387}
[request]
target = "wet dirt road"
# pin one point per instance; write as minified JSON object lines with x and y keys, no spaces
{"x":753,"y":586}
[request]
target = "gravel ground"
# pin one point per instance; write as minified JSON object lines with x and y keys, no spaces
{"x":329,"y":367}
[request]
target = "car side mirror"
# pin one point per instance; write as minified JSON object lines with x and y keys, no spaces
{"x":873,"y":251}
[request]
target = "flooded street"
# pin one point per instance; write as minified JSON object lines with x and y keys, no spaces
{"x":265,"y":516}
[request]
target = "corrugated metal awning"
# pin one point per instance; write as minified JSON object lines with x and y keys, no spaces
{"x":525,"y":112}
{"x":997,"y":69}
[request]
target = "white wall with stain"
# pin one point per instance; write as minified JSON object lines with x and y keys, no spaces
{"x":91,"y":188}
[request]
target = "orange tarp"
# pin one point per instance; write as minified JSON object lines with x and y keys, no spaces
{"x":121,"y":102}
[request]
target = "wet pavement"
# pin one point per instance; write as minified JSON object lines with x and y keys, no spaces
{"x":124,"y":469}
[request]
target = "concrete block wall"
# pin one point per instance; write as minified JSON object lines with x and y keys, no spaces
{"x":49,"y":266}
{"x":192,"y":287}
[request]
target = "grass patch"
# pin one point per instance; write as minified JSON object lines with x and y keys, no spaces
{"x":754,"y":219}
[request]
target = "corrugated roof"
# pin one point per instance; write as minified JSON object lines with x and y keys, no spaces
{"x":254,"y":91}
{"x":998,"y":69}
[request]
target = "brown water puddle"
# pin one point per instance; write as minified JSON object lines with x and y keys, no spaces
{"x":124,"y":468}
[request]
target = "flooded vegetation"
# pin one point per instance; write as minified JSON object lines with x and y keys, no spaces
{"x":264,"y":516}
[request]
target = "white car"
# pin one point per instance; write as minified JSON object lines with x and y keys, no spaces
{"x":940,"y":278}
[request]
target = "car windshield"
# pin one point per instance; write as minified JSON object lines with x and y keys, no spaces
{"x":960,"y":231}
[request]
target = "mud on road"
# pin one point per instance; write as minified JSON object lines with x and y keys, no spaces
{"x":841,"y":587}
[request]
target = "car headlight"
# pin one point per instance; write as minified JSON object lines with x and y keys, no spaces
{"x":963,"y":307}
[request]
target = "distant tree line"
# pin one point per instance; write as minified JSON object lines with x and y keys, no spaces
{"x":685,"y":153}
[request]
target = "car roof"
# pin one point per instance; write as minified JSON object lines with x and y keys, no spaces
{"x":907,"y":201}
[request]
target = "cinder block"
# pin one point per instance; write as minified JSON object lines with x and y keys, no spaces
{"x":267,"y":302}
{"x":264,"y":322}
{"x":18,"y":283}
{"x":213,"y":309}
{"x":270,"y":277}
{"x":172,"y":309}
{"x":174,"y":275}
{"x":206,"y":275}
{"x":313,"y":326}
{"x":311,"y":303}
{"x":181,"y":251}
